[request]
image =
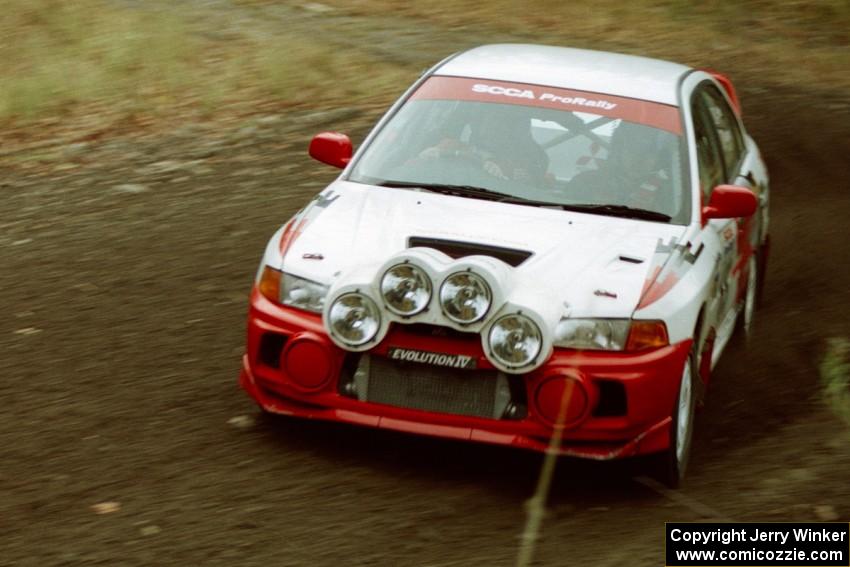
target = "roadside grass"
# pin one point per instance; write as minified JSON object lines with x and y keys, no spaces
{"x":786,"y":42}
{"x":835,"y":377}
{"x":106,"y":58}
{"x":58,"y":54}
{"x":101,"y":56}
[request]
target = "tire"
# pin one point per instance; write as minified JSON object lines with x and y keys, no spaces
{"x":670,"y":466}
{"x":747,"y":315}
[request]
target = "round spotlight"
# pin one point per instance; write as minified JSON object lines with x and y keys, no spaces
{"x":465,"y":297}
{"x":515,"y":341}
{"x":354,"y":319}
{"x":406,"y":289}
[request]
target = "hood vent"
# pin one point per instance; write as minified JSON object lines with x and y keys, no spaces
{"x":457,"y":249}
{"x":631,"y":259}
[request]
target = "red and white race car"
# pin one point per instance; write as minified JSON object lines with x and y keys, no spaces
{"x":532,"y":239}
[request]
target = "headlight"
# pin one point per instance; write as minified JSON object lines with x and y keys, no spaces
{"x":406,"y":289}
{"x":597,"y":334}
{"x":354,"y":319}
{"x":291,"y":290}
{"x":515,"y":341}
{"x":465,"y":297}
{"x":303,"y":294}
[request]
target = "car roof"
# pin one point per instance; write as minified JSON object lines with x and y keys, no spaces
{"x":580,"y":69}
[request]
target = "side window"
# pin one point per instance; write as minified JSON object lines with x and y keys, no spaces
{"x":711,"y":171}
{"x":726,"y":126}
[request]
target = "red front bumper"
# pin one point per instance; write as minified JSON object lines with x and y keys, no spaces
{"x":638,"y":423}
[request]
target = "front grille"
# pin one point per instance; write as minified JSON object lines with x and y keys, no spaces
{"x":479,"y":393}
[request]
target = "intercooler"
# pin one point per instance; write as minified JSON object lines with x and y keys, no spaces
{"x":479,"y":393}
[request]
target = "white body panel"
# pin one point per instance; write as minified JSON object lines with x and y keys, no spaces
{"x":574,"y":254}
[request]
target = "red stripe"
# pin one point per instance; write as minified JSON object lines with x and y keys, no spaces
{"x":290,"y":235}
{"x":658,"y":290}
{"x":645,"y":112}
{"x":650,"y":279}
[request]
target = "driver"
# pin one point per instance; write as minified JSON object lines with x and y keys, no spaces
{"x":508,"y":149}
{"x":502,"y":143}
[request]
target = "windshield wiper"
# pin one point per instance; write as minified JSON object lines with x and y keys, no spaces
{"x":619,"y":211}
{"x":449,"y":189}
{"x":612,"y":210}
{"x":490,"y":195}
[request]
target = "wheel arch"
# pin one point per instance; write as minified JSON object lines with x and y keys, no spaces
{"x":704,"y":336}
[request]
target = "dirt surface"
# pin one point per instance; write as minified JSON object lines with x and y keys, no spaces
{"x":125,"y":263}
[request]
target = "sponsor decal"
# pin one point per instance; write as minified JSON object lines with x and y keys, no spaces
{"x":528,"y":93}
{"x":302,"y":218}
{"x":657,"y":115}
{"x":324,"y":200}
{"x":672,"y":263}
{"x":497,"y":90}
{"x":433,"y":358}
{"x":691,"y":257}
{"x":291,"y":233}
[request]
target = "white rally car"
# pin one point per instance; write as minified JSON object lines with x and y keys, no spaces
{"x":532,"y":239}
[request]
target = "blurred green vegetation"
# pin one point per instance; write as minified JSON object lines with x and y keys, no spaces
{"x":823,"y":21}
{"x":57,"y":53}
{"x":60,"y":55}
{"x":791,"y":42}
{"x":835,"y":375}
{"x":63,"y":56}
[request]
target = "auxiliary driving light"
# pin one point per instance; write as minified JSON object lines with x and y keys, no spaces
{"x":465,"y":297}
{"x":354,"y":319}
{"x":406,"y":289}
{"x":515,"y":341}
{"x":562,"y":399}
{"x":307,"y":361}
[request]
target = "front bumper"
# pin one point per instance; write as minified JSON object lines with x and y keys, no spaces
{"x":629,"y":396}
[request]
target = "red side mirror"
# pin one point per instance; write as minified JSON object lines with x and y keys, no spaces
{"x":331,"y":148}
{"x":730,"y":201}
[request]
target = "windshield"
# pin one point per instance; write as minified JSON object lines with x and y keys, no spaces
{"x":537,"y":144}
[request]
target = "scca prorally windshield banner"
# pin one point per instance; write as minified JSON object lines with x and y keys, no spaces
{"x":653,"y":114}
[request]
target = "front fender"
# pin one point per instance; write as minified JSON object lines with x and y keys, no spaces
{"x":688,"y":281}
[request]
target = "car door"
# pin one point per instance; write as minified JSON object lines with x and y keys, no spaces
{"x":744,"y":168}
{"x":722,"y":233}
{"x":740,"y":166}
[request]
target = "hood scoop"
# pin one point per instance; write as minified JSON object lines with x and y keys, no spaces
{"x":458,"y":249}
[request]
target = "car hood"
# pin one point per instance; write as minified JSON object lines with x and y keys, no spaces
{"x":593,"y":265}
